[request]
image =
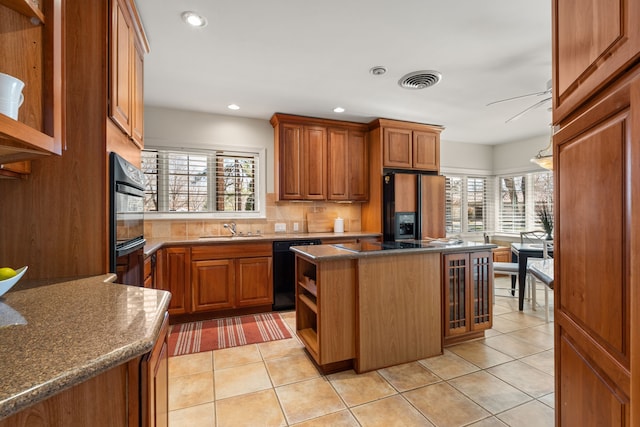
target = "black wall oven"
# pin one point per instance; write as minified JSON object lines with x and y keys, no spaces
{"x":126,"y":221}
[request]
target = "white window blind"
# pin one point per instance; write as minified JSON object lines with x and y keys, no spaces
{"x":469,"y":204}
{"x":542,"y":185}
{"x":512,"y":203}
{"x":453,"y":204}
{"x":476,"y":204}
{"x":200,"y":181}
{"x":521,"y":199}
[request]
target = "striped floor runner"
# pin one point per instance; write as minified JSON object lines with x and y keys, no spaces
{"x":215,"y":334}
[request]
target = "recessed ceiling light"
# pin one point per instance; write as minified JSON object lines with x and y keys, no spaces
{"x":378,"y":70}
{"x":338,"y":110}
{"x":194,"y":19}
{"x":233,"y":107}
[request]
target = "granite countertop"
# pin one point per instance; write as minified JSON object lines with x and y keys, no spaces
{"x":153,"y":245}
{"x":337,"y":251}
{"x":54,"y":337}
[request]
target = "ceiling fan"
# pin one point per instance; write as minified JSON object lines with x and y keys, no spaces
{"x":545,"y":93}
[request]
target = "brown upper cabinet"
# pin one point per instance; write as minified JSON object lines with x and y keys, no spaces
{"x":590,"y":48}
{"x":128,"y":47}
{"x":410,"y":146}
{"x":348,"y":165}
{"x":395,"y":144}
{"x":317,"y":159}
{"x":31,"y":50}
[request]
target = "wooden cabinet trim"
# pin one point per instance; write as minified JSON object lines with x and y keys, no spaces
{"x":279,"y":118}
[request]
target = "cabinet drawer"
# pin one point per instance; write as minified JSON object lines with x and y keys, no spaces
{"x":240,"y":250}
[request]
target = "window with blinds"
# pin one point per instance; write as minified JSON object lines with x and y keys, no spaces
{"x":522,"y":197}
{"x":200,"y":181}
{"x":513,"y":213}
{"x":453,"y":204}
{"x":468,"y":204}
{"x":542,"y":184}
{"x":476,"y":204}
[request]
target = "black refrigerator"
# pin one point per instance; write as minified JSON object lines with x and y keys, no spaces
{"x":413,"y":205}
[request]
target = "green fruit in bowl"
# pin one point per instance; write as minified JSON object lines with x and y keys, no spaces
{"x":7,"y":273}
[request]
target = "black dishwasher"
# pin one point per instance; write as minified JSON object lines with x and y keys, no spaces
{"x":284,"y":272}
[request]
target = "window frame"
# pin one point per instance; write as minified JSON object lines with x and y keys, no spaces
{"x":488,"y":219}
{"x":531,"y":220}
{"x":493,"y":203}
{"x":259,"y":185}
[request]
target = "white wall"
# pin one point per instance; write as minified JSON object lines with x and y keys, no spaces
{"x":165,"y":127}
{"x":515,"y":157}
{"x":464,"y":158}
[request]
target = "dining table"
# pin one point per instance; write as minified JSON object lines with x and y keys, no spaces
{"x":520,"y":253}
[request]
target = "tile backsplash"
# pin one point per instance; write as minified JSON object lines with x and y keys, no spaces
{"x":288,"y":213}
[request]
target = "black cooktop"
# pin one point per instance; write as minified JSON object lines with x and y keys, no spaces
{"x":375,"y":246}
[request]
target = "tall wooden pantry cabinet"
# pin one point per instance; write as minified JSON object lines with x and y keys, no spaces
{"x":596,"y":102}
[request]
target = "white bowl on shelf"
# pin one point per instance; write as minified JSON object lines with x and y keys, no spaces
{"x":7,"y":284}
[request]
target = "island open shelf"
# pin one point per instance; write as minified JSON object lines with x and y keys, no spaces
{"x":325,"y":310}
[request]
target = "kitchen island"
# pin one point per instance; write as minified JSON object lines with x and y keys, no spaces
{"x":77,"y":353}
{"x":373,"y":305}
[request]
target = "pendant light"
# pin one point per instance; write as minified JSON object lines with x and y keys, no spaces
{"x":544,"y":158}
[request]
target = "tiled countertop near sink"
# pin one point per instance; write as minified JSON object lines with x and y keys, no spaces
{"x":155,"y":244}
{"x":54,"y":337}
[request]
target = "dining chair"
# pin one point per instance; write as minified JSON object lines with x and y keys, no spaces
{"x":533,"y":278}
{"x":533,"y":236}
{"x":507,"y":268}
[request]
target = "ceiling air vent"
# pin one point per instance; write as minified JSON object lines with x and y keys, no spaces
{"x":420,"y":79}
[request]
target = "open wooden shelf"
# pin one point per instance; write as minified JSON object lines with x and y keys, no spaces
{"x":310,"y":338}
{"x":309,"y":303}
{"x":313,"y":289}
{"x":25,"y":7}
{"x":20,"y":141}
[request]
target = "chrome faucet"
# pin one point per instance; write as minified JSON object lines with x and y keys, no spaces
{"x":231,"y":227}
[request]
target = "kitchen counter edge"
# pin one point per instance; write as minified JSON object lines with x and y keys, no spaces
{"x":39,"y":363}
{"x":330,"y":252}
{"x":153,"y":245}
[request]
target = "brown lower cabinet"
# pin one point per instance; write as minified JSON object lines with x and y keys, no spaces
{"x":502,"y":254}
{"x":205,"y":278}
{"x":134,"y":393}
{"x":154,"y":388}
{"x":231,"y":283}
{"x":467,"y":295}
{"x":173,"y":266}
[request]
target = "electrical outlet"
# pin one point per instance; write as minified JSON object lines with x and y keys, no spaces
{"x":281,"y":227}
{"x":295,"y":226}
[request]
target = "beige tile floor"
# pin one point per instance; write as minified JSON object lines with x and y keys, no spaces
{"x":504,"y":379}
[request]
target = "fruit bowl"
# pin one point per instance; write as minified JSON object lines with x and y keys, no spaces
{"x":7,"y":284}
